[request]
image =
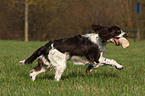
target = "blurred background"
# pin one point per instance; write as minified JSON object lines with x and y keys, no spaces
{"x":55,"y":19}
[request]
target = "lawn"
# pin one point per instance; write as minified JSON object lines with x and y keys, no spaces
{"x":15,"y":81}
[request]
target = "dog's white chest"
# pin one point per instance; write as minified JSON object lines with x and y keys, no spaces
{"x":97,"y":40}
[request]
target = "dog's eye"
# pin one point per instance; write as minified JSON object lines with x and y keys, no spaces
{"x":119,"y":31}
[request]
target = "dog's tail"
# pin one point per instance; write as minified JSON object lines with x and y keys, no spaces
{"x":44,"y":50}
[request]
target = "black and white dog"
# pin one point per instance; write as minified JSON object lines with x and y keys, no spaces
{"x":81,"y":49}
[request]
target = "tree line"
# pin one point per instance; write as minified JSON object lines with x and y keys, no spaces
{"x":54,"y":19}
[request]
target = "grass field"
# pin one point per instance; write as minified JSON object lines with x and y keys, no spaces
{"x":15,"y":81}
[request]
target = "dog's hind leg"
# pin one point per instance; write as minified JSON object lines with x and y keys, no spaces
{"x":43,"y":66}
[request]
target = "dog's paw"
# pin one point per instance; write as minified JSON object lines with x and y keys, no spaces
{"x":119,"y":67}
{"x":32,"y":75}
{"x":89,"y":68}
{"x":22,"y":62}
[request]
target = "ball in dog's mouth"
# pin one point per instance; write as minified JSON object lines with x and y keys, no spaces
{"x":124,"y":42}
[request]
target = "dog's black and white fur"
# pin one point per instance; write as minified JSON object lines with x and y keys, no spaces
{"x":81,"y":49}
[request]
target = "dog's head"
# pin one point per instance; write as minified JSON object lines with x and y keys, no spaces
{"x":113,"y":34}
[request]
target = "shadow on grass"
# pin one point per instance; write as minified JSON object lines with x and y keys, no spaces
{"x":89,"y":75}
{"x":80,"y":74}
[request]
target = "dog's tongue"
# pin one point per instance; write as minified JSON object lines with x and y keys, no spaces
{"x":116,"y":41}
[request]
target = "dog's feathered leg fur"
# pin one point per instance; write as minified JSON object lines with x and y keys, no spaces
{"x":42,"y":50}
{"x":43,"y":66}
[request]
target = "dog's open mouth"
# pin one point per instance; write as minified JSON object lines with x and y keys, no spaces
{"x":123,"y":41}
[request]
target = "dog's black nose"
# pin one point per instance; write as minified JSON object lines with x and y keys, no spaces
{"x":125,"y":35}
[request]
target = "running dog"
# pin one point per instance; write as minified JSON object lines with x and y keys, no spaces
{"x":81,"y":49}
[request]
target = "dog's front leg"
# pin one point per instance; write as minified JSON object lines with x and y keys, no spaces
{"x":110,"y":62}
{"x":90,"y":67}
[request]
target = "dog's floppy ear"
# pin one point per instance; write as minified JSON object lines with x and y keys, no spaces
{"x":104,"y":34}
{"x":95,"y":27}
{"x":114,"y":27}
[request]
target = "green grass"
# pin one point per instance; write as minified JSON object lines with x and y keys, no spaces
{"x":15,"y":81}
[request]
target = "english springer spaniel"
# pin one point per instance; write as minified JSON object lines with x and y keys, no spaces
{"x":81,"y":49}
